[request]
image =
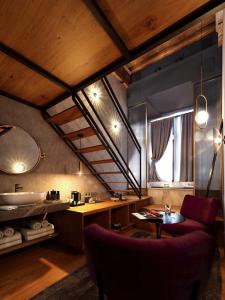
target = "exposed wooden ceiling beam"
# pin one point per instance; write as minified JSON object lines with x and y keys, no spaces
{"x":219,"y":27}
{"x":177,"y":43}
{"x":195,"y":17}
{"x":123,"y":74}
{"x":107,"y":26}
{"x":34,"y":67}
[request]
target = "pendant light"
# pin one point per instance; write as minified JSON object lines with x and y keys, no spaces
{"x":80,"y":172}
{"x":201,"y":102}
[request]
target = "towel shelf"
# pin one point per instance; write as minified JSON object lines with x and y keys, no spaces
{"x":28,"y":243}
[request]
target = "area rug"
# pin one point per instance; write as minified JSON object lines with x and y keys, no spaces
{"x":79,"y":286}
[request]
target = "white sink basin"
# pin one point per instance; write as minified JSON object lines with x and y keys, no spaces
{"x":22,"y":198}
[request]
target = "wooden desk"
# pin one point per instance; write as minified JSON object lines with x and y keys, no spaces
{"x":71,"y":222}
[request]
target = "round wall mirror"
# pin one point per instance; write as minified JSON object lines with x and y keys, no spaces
{"x":19,"y":152}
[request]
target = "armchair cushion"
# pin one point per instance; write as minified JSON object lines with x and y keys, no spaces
{"x":185,"y":227}
{"x":201,"y":209}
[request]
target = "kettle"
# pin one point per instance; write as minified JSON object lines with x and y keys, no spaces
{"x":76,"y":197}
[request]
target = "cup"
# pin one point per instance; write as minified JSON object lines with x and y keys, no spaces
{"x":167,"y":208}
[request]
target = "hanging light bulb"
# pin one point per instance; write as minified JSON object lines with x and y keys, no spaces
{"x":201,"y":116}
{"x":80,"y":172}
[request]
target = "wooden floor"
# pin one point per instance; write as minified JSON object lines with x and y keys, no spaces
{"x":29,"y":271}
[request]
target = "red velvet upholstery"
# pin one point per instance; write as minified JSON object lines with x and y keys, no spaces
{"x":199,"y":213}
{"x":201,"y":209}
{"x":131,"y":268}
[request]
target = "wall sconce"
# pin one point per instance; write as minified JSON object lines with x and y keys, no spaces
{"x":201,"y":116}
{"x":19,"y":167}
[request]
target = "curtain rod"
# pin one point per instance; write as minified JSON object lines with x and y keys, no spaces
{"x":174,"y":114}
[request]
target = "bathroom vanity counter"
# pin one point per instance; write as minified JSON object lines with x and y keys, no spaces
{"x":32,"y":210}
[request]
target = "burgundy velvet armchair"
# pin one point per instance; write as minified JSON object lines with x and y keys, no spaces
{"x":130,"y":268}
{"x":199,"y":213}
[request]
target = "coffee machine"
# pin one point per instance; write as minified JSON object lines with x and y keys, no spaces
{"x":76,"y":197}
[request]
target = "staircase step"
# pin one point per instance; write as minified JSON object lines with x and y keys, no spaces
{"x":92,"y":149}
{"x":86,"y":132}
{"x":66,"y":116}
{"x":103,"y":161}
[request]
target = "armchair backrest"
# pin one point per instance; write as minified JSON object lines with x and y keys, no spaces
{"x":200,"y":209}
{"x":132,"y":268}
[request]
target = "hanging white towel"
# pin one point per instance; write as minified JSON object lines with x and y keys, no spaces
{"x":8,"y":231}
{"x":31,"y":232}
{"x":34,"y":224}
{"x":16,"y":236}
{"x":36,"y":236}
{"x":10,"y":244}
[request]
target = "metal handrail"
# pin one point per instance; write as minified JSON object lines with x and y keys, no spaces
{"x":109,"y":136}
{"x":79,"y":103}
{"x":120,"y":111}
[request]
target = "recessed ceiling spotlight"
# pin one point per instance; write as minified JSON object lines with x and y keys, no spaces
{"x":115,"y":126}
{"x":95,"y":94}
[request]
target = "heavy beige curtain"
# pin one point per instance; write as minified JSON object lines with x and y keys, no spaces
{"x":160,"y":134}
{"x":186,"y":164}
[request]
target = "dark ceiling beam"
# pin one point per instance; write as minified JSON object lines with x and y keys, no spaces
{"x":193,"y":18}
{"x":18,"y":99}
{"x":34,"y":67}
{"x":107,"y":26}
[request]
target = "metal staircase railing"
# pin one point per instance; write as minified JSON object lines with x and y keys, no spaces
{"x":97,"y":117}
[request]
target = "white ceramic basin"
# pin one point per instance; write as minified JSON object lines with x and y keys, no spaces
{"x":22,"y":198}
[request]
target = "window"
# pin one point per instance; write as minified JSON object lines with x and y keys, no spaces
{"x":168,"y":168}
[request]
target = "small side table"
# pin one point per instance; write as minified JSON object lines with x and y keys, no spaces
{"x":172,"y":218}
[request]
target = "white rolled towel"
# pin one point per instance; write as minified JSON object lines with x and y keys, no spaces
{"x":8,"y":231}
{"x":1,"y":234}
{"x":36,"y":236}
{"x":34,"y":224}
{"x":44,"y":223}
{"x":10,"y":244}
{"x":15,"y":237}
{"x":31,"y":232}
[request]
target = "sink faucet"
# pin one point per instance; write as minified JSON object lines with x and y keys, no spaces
{"x":18,"y":187}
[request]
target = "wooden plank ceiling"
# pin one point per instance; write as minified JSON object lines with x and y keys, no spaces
{"x":66,"y":39}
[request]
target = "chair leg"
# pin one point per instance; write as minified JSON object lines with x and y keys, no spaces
{"x":100,"y":287}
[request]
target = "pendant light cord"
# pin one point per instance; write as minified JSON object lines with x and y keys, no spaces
{"x":201,"y":68}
